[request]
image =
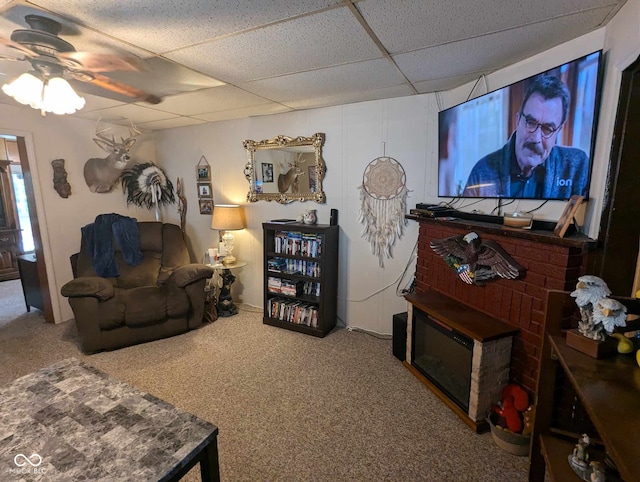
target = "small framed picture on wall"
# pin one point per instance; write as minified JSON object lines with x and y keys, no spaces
{"x":206,"y":206}
{"x":203,"y":173}
{"x":204,"y":190}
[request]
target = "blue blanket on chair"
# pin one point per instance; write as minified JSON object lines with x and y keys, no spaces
{"x":99,"y":237}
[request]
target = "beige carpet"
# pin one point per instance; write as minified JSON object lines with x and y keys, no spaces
{"x":289,"y":407}
{"x":11,"y":301}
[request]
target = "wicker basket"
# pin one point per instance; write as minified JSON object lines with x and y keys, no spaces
{"x":514,"y":443}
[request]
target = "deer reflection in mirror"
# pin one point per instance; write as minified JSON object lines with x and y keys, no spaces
{"x":285,"y":169}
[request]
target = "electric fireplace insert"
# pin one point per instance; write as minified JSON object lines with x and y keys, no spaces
{"x":444,"y":356}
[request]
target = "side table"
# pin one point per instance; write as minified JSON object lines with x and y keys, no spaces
{"x":225,"y":278}
{"x":28,"y":269}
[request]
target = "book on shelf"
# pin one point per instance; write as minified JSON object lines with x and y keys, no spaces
{"x":283,"y":221}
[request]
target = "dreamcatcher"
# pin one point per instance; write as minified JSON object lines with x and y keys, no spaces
{"x":147,"y":185}
{"x":383,"y":200}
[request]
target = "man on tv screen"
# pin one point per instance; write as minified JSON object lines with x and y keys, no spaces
{"x":530,"y":164}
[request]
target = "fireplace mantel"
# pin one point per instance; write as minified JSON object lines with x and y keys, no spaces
{"x":575,"y":240}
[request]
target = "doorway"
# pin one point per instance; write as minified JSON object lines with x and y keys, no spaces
{"x":21,"y":220}
{"x":619,"y":227}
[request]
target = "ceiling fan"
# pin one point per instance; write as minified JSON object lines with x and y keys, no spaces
{"x":51,"y":56}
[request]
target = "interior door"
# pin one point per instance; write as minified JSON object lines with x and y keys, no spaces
{"x":619,"y":227}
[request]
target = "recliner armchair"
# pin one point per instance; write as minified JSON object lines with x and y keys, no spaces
{"x":161,"y":297}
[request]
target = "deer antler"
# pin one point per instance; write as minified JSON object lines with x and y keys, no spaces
{"x":133,"y":132}
{"x":100,"y":136}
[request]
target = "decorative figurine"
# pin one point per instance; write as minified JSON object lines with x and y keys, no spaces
{"x":579,"y":459}
{"x":310,"y":216}
{"x":580,"y":454}
{"x":226,"y":306}
{"x":608,"y":314}
{"x":589,"y":290}
{"x":597,"y":472}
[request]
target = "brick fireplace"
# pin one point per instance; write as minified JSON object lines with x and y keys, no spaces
{"x":551,"y":263}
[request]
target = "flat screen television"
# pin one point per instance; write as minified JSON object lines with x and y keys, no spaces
{"x":533,"y":139}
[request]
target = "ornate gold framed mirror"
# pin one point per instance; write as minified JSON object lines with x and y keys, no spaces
{"x":285,"y":169}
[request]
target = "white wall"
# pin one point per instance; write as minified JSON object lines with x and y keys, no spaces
{"x":55,"y":137}
{"x":404,"y":128}
{"x":355,"y":135}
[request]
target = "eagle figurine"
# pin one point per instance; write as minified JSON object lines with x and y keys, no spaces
{"x":607,"y":314}
{"x":589,"y":290}
{"x":475,"y":261}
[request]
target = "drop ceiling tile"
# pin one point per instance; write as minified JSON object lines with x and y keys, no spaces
{"x":226,"y":97}
{"x":492,"y":52}
{"x":272,"y":108}
{"x":371,"y":74}
{"x":320,"y":40}
{"x":446,"y":83}
{"x":351,"y":97}
{"x":169,"y":123}
{"x":164,"y":77}
{"x":130,"y":112}
{"x":164,"y":25}
{"x":403,"y":29}
{"x":94,"y":102}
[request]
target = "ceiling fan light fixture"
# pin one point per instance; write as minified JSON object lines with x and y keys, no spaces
{"x":60,"y":98}
{"x":26,"y":89}
{"x":52,"y":95}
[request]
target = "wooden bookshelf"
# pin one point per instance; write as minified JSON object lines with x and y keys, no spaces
{"x":299,"y":257}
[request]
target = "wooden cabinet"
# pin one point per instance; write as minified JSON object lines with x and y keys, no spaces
{"x":301,"y":277}
{"x":9,"y":235}
{"x":607,"y":389}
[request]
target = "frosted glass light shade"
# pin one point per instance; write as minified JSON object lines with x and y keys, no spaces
{"x":56,"y":95}
{"x":26,"y":89}
{"x":60,"y":98}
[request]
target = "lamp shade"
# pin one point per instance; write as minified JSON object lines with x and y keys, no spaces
{"x":26,"y":89}
{"x":228,"y":217}
{"x":54,"y":94}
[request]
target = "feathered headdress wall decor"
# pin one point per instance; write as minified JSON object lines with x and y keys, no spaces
{"x":383,"y":202}
{"x":147,"y":185}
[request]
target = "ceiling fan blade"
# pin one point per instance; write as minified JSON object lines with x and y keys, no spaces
{"x":99,"y":62}
{"x":115,"y":86}
{"x":20,"y":48}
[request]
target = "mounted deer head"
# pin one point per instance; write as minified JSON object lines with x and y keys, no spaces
{"x":290,"y":178}
{"x":102,"y":174}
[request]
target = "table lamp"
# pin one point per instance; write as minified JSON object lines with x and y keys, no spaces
{"x":226,"y":218}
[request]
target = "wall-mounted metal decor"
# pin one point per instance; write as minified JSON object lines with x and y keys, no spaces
{"x":474,"y":261}
{"x":285,"y":169}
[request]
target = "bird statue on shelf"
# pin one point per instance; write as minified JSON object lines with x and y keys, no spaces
{"x":589,"y":290}
{"x":607,"y":314}
{"x":474,"y":261}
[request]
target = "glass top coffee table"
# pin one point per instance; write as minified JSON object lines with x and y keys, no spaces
{"x":70,"y":421}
